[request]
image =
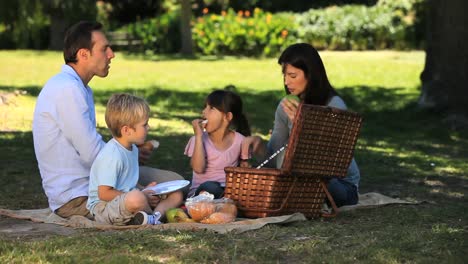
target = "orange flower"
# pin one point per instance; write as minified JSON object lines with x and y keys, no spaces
{"x":284,"y":33}
{"x":247,"y":13}
{"x":268,"y":18}
{"x":240,"y":13}
{"x":223,"y":13}
{"x":205,"y":10}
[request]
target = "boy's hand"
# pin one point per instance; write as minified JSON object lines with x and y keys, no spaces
{"x":143,"y":155}
{"x":145,"y":150}
{"x":153,"y":200}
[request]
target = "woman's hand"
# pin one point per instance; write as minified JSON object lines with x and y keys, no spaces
{"x":290,"y":108}
{"x":251,"y":145}
{"x":153,"y":200}
{"x":198,"y":126}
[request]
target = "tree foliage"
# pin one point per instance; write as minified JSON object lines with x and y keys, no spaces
{"x":30,"y":23}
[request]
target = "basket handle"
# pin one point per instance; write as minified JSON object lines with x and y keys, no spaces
{"x":273,"y":210}
{"x":332,"y":202}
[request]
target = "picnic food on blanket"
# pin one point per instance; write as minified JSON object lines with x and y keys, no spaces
{"x":204,"y":209}
{"x":218,"y":218}
{"x":227,"y":207}
{"x":178,"y":215}
{"x":201,"y":210}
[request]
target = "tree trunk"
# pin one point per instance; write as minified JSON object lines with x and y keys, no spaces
{"x":444,"y":78}
{"x":185,"y":28}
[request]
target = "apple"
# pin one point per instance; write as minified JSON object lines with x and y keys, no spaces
{"x":177,"y":215}
{"x":292,"y":97}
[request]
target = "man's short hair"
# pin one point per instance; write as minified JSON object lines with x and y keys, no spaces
{"x":125,"y":110}
{"x":79,"y":36}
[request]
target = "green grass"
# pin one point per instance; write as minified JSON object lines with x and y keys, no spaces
{"x":402,"y":151}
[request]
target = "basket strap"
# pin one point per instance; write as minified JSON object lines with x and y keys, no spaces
{"x":261,"y":210}
{"x":330,"y":198}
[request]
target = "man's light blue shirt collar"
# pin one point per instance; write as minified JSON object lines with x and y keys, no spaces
{"x":69,"y":70}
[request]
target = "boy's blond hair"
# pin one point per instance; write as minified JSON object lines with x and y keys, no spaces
{"x":125,"y":110}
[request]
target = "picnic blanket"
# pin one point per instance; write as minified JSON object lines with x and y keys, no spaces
{"x":367,"y":200}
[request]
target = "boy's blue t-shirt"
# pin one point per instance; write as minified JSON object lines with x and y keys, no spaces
{"x":114,"y":166}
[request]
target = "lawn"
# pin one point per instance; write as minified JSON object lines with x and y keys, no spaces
{"x":402,"y":152}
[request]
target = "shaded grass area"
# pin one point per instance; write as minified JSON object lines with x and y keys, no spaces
{"x":402,"y":152}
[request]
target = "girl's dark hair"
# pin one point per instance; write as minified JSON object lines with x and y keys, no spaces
{"x":318,"y":90}
{"x":227,"y":101}
{"x":79,"y":36}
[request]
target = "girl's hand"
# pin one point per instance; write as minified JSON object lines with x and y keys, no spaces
{"x":198,"y":126}
{"x":290,"y":108}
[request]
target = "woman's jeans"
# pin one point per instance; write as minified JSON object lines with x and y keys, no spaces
{"x":212,"y":187}
{"x":343,"y":192}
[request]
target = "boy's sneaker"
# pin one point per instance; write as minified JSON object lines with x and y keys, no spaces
{"x":142,"y":218}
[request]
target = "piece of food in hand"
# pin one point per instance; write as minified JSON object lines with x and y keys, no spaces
{"x":201,"y":210}
{"x":177,"y":215}
{"x":155,"y":143}
{"x":218,"y":218}
{"x":150,"y":145}
{"x":203,"y":123}
{"x":292,"y":97}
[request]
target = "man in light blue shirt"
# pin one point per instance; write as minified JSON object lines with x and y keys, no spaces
{"x":66,"y":141}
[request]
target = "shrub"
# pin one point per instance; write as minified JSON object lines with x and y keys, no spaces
{"x":243,"y":33}
{"x":160,"y":34}
{"x":389,"y":24}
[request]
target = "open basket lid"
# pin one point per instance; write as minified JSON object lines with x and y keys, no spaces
{"x":322,"y":141}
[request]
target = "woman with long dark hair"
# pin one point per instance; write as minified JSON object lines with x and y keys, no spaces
{"x":305,"y":77}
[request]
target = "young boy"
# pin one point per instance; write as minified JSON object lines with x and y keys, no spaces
{"x":113,"y":194}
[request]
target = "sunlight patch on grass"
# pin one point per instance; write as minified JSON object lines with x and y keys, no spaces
{"x":433,"y":183}
{"x":18,"y":114}
{"x":367,"y":68}
{"x":173,"y":127}
{"x":448,"y":170}
{"x":447,"y":193}
{"x":386,"y":150}
{"x":441,"y":228}
{"x":161,"y":258}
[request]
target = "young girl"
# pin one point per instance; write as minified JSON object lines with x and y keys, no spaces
{"x":215,"y":145}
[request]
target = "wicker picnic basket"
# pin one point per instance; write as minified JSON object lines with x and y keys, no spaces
{"x":320,"y":147}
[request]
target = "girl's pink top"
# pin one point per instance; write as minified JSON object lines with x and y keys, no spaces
{"x":216,"y":160}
